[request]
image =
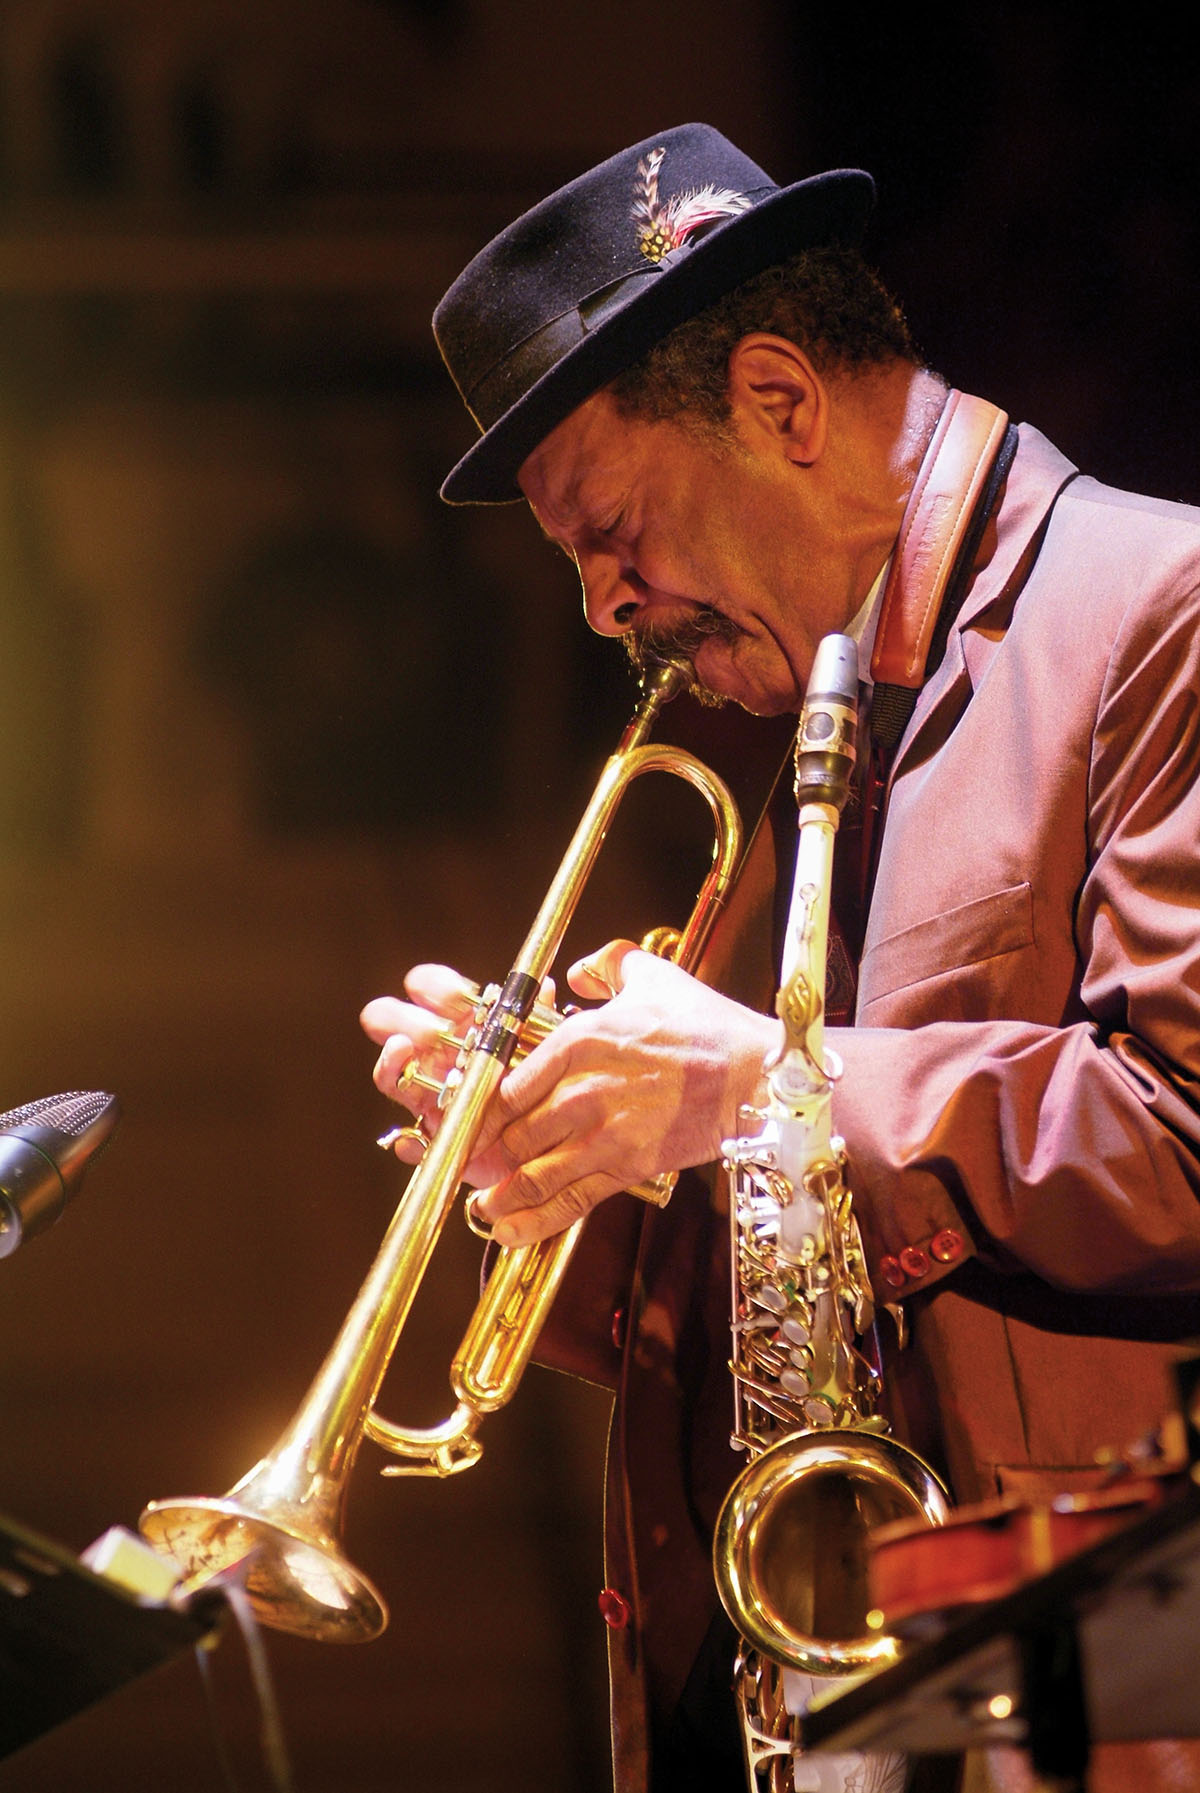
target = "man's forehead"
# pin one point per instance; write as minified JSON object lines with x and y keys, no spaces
{"x":586,"y":442}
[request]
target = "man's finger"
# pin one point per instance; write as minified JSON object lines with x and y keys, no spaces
{"x":441,"y":988}
{"x":382,"y":1017}
{"x":601,"y":974}
{"x":525,"y":1226}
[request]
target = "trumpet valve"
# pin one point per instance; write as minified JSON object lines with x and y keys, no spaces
{"x":413,"y":1077}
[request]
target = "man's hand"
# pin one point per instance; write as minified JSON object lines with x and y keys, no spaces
{"x":650,"y":1081}
{"x":420,"y":1043}
{"x":417,"y":1037}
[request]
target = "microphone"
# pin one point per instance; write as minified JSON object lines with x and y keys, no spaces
{"x":44,"y":1147}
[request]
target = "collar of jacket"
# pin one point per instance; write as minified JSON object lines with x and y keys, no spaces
{"x":1037,"y":476}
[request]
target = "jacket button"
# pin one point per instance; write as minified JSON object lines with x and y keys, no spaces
{"x":893,"y":1276}
{"x":619,"y":1327}
{"x":913,"y":1261}
{"x":615,"y":1609}
{"x":947,"y":1246}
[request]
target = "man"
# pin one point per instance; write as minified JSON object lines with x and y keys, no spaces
{"x":711,"y":406}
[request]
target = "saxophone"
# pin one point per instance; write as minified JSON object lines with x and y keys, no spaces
{"x":790,"y":1548}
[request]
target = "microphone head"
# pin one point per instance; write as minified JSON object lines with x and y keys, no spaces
{"x":44,"y":1147}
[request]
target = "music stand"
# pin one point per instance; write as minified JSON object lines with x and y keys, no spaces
{"x":1100,"y":1649}
{"x":68,"y":1637}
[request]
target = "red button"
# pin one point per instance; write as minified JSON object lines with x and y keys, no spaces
{"x":893,"y":1276}
{"x":913,"y":1261}
{"x":615,"y":1609}
{"x":947,"y":1246}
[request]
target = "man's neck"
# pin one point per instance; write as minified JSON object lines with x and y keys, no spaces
{"x":924,"y":403}
{"x":888,"y":421}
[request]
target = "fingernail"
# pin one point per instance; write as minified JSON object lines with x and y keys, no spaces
{"x":594,"y":971}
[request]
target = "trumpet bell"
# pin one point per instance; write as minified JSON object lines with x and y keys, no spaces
{"x":791,"y":1545}
{"x":294,"y":1573}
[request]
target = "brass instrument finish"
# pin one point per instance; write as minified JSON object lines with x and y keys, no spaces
{"x":790,"y":1549}
{"x":279,"y":1529}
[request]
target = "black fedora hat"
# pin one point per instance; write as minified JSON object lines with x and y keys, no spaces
{"x":578,"y":289}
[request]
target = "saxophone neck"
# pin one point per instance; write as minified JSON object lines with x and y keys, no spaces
{"x":797,"y":1074}
{"x":825,"y":758}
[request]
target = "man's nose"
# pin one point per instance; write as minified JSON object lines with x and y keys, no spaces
{"x":611,"y":595}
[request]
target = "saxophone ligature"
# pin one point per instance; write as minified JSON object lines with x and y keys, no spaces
{"x":790,"y":1551}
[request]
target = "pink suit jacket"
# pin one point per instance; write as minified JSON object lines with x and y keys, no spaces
{"x":1025,"y":1071}
{"x":1021,"y":1094}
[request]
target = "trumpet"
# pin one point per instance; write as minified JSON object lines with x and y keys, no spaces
{"x":279,"y":1528}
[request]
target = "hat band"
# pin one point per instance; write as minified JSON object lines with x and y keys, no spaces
{"x":507,"y":382}
{"x":524,"y":366}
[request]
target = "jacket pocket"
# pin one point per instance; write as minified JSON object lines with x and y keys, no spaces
{"x":970,"y":934}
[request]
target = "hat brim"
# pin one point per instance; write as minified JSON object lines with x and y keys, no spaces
{"x":815,"y":213}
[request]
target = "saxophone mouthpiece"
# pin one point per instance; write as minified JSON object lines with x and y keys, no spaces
{"x":825,"y":740}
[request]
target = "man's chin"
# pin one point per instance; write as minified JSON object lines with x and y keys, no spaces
{"x":704,"y":694}
{"x":716,"y":682}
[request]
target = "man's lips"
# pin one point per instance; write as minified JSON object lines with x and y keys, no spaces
{"x":680,"y":639}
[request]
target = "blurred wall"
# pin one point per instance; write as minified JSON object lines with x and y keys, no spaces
{"x":274,"y":723}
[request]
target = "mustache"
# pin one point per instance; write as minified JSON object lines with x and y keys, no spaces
{"x":681,"y":640}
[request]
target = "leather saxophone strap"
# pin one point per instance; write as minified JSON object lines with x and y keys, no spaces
{"x":947,"y":511}
{"x":953,"y":496}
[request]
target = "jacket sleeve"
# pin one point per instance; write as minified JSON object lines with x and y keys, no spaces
{"x":1073,"y":1151}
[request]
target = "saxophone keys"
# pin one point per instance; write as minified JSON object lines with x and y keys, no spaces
{"x":819,"y":1410}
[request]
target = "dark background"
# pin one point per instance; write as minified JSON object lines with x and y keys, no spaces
{"x":274,"y":723}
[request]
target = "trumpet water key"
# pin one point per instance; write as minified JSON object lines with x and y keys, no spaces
{"x":280,"y":1527}
{"x":790,"y":1549}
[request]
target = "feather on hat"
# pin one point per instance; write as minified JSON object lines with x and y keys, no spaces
{"x":578,"y":289}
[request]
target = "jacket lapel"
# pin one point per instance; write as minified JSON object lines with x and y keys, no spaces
{"x":1010,"y":544}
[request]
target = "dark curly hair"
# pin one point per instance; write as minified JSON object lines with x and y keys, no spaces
{"x":826,"y":300}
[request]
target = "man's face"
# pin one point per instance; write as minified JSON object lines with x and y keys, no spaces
{"x":683,"y":542}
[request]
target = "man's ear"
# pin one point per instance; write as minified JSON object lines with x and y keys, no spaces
{"x":775,"y":390}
